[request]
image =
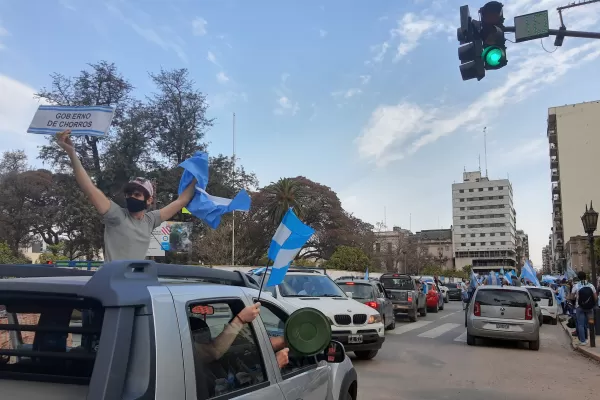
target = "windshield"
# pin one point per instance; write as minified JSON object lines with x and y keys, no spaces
{"x":451,"y":285}
{"x":541,"y":293}
{"x":507,"y":298}
{"x":359,"y":290}
{"x":316,"y":285}
{"x":397,"y":283}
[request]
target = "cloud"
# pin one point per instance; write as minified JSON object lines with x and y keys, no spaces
{"x":67,"y":4}
{"x":286,"y":106}
{"x":221,"y":100}
{"x":166,"y":39}
{"x":199,"y":26}
{"x":17,"y":107}
{"x":322,"y":33}
{"x":395,"y":131}
{"x":3,"y":33}
{"x":313,"y":107}
{"x":212,"y":58}
{"x":364,"y":79}
{"x":222,"y":77}
{"x":346,"y":94}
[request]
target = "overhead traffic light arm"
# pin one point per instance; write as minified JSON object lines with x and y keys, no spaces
{"x":564,"y":32}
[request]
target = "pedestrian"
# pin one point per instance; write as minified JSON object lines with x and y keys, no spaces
{"x":127,"y":231}
{"x":585,"y":300}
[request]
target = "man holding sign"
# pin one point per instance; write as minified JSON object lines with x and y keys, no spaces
{"x":127,"y":231}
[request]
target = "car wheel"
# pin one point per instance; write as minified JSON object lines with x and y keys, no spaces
{"x":365,"y":354}
{"x":423,"y":312}
{"x":554,"y":321}
{"x":393,"y":324}
{"x":471,"y":340}
{"x":413,"y":317}
{"x":435,"y":309}
{"x":534,"y":345}
{"x":347,"y":396}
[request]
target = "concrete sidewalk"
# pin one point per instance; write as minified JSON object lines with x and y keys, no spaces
{"x":591,"y":352}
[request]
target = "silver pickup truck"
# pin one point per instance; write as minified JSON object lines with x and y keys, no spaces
{"x":137,"y":330}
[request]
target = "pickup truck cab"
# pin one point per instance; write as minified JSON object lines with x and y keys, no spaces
{"x":142,"y":330}
{"x":357,"y":326}
{"x":406,"y":295}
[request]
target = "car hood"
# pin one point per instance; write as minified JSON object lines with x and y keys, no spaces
{"x":331,"y":305}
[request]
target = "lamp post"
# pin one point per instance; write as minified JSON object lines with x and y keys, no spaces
{"x":590,"y":223}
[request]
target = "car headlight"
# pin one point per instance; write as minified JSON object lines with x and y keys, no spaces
{"x":375,"y":318}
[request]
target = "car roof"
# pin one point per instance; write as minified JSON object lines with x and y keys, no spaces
{"x":537,"y":287}
{"x":358,"y":281}
{"x":514,"y":288}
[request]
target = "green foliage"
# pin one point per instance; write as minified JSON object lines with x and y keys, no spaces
{"x":8,"y":257}
{"x":349,"y":259}
{"x":54,"y":252}
{"x":302,"y":262}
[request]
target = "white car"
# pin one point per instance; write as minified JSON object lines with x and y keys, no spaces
{"x":547,"y":302}
{"x":357,"y":326}
{"x":444,"y":291}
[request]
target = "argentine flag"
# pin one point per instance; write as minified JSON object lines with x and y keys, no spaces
{"x":528,"y":273}
{"x":287,"y":242}
{"x":207,"y":207}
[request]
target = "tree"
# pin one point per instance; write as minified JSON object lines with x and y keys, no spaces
{"x":281,"y":196}
{"x":349,"y":259}
{"x":7,"y":256}
{"x":54,"y":252}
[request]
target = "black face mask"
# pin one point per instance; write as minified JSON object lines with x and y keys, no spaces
{"x":134,"y":205}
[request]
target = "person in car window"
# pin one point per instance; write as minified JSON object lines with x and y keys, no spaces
{"x":309,"y":289}
{"x":127,"y":231}
{"x":208,"y":349}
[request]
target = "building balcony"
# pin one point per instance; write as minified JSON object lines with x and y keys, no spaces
{"x":556,"y":187}
{"x":554,"y":175}
{"x":554,"y":162}
{"x":557,"y":216}
{"x":556,"y":199}
{"x":553,"y":150}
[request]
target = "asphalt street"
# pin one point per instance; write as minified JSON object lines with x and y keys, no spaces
{"x":430,"y":360}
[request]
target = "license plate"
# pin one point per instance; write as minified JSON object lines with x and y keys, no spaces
{"x":502,"y":326}
{"x":355,"y":338}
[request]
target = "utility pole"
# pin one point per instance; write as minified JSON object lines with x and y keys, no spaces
{"x":233,"y":213}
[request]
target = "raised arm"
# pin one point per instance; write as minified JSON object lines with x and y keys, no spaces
{"x":94,"y":195}
{"x":168,"y":211}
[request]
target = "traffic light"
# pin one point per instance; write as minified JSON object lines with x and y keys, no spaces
{"x":471,"y":49}
{"x":492,"y":35}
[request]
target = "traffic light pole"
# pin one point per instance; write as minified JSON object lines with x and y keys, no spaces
{"x":564,"y":33}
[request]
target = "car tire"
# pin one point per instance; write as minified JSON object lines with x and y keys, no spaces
{"x":423,"y":312}
{"x":366,"y":354}
{"x":554,"y":321}
{"x":412,"y":317}
{"x":393,"y":324}
{"x":347,"y":396}
{"x":534,"y":345}
{"x":435,"y":309}
{"x":471,"y":340}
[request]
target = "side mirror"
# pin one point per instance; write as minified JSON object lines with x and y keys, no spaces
{"x":334,"y":353}
{"x":349,"y":294}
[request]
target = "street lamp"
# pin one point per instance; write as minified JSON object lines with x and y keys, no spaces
{"x":590,"y":222}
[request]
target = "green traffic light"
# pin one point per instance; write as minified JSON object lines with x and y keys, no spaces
{"x":493,"y":56}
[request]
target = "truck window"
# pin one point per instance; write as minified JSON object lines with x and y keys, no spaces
{"x":274,"y":319}
{"x":49,"y":338}
{"x":240,"y":367}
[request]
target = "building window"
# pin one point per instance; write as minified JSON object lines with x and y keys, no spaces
{"x":481,"y":189}
{"x":462,"y":226}
{"x":483,"y":243}
{"x":492,"y":234}
{"x":490,"y":188}
{"x":462,"y":200}
{"x":502,"y":233}
{"x":472,"y":235}
{"x":503,"y":243}
{"x":492,"y":243}
{"x":463,"y":244}
{"x":482,"y":235}
{"x":463,"y":235}
{"x":473,"y":244}
{"x":500,"y":187}
{"x":389,"y":247}
{"x":377,"y":247}
{"x":462,"y":217}
{"x":461,"y":191}
{"x":462,"y":209}
{"x":470,"y":190}
{"x":500,"y":197}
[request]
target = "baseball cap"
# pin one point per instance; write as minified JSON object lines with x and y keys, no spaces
{"x":144,"y":183}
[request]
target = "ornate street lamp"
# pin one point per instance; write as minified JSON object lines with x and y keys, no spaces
{"x":590,"y":223}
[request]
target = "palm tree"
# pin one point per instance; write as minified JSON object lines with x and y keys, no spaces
{"x":282,"y":195}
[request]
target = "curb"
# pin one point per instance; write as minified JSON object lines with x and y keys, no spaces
{"x":575,"y":343}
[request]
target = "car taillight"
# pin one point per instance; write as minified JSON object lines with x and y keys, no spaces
{"x":409,"y":298}
{"x":477,"y":309}
{"x":550,"y":301}
{"x":529,"y":312}
{"x":372,"y":304}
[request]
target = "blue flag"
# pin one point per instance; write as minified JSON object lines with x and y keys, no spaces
{"x":367,"y":274}
{"x":287,"y":242}
{"x":527,"y":272}
{"x":473,"y":278}
{"x":208,"y":208}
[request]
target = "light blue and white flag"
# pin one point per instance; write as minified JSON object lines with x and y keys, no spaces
{"x":570,"y":272}
{"x":287,"y":242}
{"x":367,"y":274}
{"x":527,"y":272}
{"x":473,"y":279}
{"x":508,"y":277}
{"x":208,"y":208}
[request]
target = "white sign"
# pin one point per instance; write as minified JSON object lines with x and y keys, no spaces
{"x":158,"y":242}
{"x":91,"y":121}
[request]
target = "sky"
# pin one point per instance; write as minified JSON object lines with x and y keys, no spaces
{"x":364,"y":97}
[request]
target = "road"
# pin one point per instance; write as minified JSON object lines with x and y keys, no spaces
{"x":430,"y":360}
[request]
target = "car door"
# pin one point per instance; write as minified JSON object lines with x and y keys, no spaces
{"x":245,"y":369}
{"x":387,"y":303}
{"x":304,"y":377}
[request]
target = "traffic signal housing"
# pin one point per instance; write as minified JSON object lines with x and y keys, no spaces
{"x":471,"y":49}
{"x":492,"y":35}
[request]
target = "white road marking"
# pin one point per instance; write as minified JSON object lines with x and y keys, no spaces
{"x":408,"y":327}
{"x":462,"y":337}
{"x":440,"y":330}
{"x":447,"y":315}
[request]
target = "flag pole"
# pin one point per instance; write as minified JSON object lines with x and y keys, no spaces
{"x":262,"y":283}
{"x":233,"y":213}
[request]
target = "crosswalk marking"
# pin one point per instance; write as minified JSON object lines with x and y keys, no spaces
{"x":409,"y":327}
{"x":440,"y":330}
{"x":462,"y":337}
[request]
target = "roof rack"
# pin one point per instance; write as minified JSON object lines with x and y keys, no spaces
{"x":121,"y":283}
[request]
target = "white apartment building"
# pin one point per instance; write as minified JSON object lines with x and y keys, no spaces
{"x":574,"y":163}
{"x":484,"y":222}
